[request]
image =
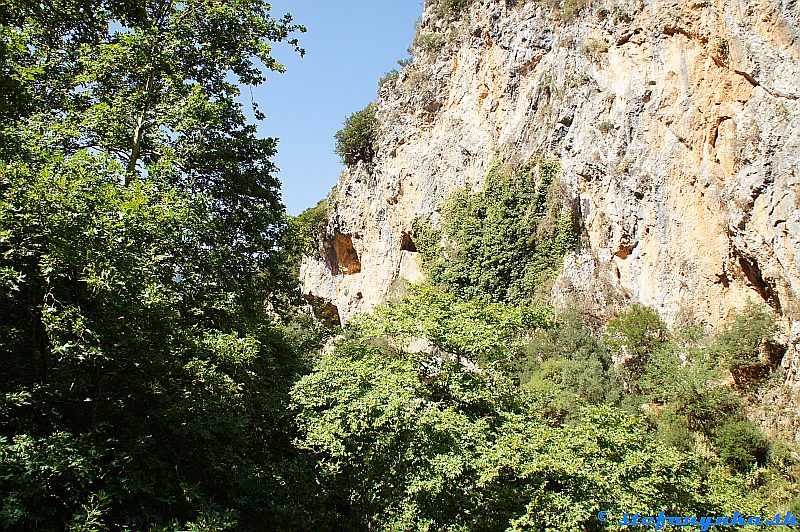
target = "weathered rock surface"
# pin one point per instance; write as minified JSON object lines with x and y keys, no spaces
{"x":777,"y":406}
{"x":677,"y":126}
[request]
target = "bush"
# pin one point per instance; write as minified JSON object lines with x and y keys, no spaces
{"x":705,"y":406}
{"x":605,"y":127}
{"x":570,"y":10}
{"x":634,"y":334}
{"x":739,"y":343}
{"x":674,"y":431}
{"x":741,"y":444}
{"x":394,"y":73}
{"x":428,"y":42}
{"x":722,"y":48}
{"x":310,"y":223}
{"x":428,"y":240}
{"x":356,"y":140}
{"x":451,"y":9}
{"x":594,"y":47}
{"x":569,"y":359}
{"x":391,"y":75}
{"x":688,"y":391}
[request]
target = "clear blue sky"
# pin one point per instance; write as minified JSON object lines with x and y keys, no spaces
{"x":349,"y":45}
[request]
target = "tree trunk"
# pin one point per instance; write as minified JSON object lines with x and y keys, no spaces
{"x":139,"y":132}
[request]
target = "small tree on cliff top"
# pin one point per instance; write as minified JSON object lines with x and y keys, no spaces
{"x":356,"y":140}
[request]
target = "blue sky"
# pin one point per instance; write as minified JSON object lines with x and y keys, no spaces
{"x":349,"y":45}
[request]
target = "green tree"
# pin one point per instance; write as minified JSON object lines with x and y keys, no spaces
{"x":309,"y":225}
{"x":357,"y":139}
{"x":402,"y":447}
{"x":144,"y":270}
{"x":159,"y":93}
{"x":139,"y":371}
{"x":739,"y":343}
{"x":568,"y":360}
{"x":690,"y":391}
{"x":634,"y":335}
{"x":741,"y":445}
{"x":476,"y":330}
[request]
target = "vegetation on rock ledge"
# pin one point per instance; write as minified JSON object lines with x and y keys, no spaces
{"x":504,"y":242}
{"x":355,"y":142}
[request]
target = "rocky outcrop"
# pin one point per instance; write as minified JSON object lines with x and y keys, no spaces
{"x":676,"y":123}
{"x":777,"y":406}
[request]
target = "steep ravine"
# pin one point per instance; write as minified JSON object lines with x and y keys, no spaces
{"x":677,"y":128}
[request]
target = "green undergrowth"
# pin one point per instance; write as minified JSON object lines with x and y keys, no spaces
{"x":437,"y":412}
{"x":309,"y":224}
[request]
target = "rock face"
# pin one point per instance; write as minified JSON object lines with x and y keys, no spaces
{"x":677,"y":127}
{"x":776,"y":407}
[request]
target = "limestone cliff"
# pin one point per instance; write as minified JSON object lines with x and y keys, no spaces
{"x":677,"y":127}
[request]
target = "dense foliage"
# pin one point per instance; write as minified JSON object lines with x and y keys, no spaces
{"x":129,"y":356}
{"x":505,"y":241}
{"x":490,"y":333}
{"x":409,"y":439}
{"x":355,"y":142}
{"x":161,"y":372}
{"x":145,"y":373}
{"x":404,"y":444}
{"x":743,"y":343}
{"x":309,"y":225}
{"x":568,"y":362}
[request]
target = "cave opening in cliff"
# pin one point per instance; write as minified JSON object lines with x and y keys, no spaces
{"x":407,"y":243}
{"x":342,"y":256}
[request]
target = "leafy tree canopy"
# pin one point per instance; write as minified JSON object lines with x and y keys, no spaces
{"x":145,"y":280}
{"x":476,"y":329}
{"x":403,"y":448}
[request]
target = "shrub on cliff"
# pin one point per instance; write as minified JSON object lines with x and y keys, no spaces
{"x":451,"y":9}
{"x":356,"y":140}
{"x":428,"y":42}
{"x":505,"y":241}
{"x":308,"y":224}
{"x":739,"y":343}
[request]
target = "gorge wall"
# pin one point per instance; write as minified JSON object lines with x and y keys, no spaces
{"x":677,"y":128}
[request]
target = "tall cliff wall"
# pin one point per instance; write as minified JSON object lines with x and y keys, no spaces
{"x":677,"y":127}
